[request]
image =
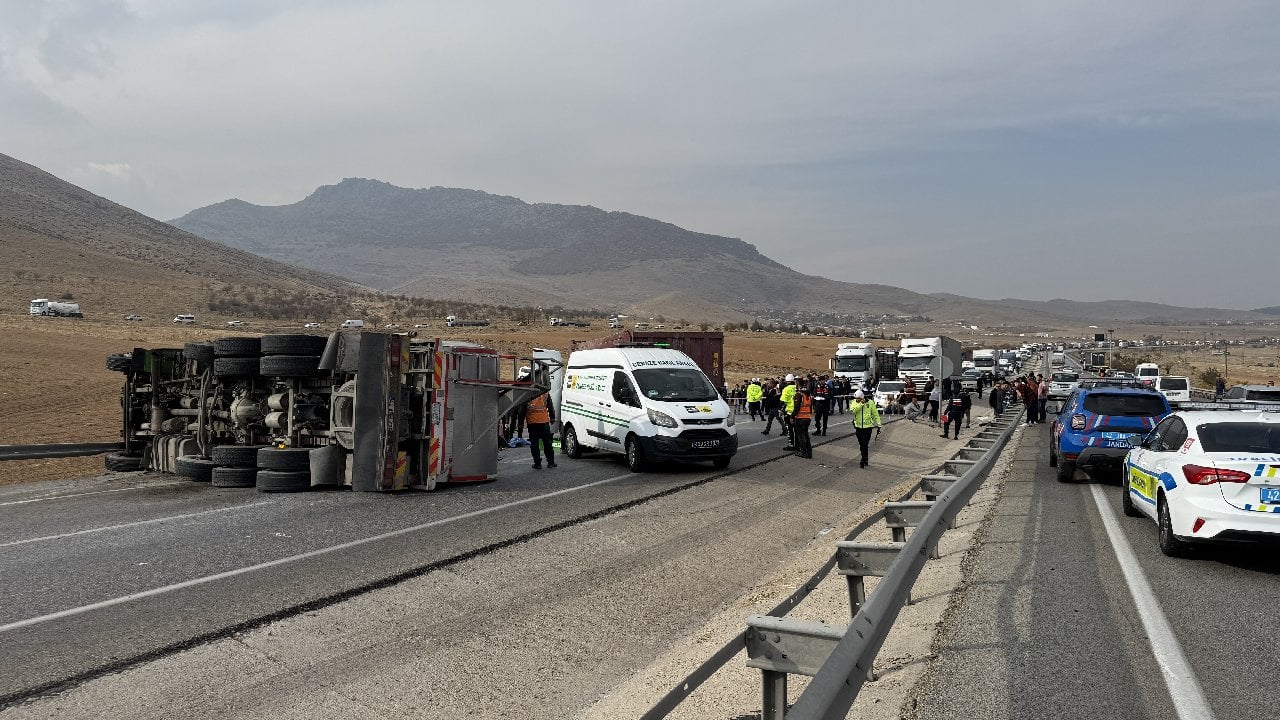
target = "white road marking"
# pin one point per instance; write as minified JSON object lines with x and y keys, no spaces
{"x":294,"y":558}
{"x":1184,"y":688}
{"x":83,"y":494}
{"x":136,"y":523}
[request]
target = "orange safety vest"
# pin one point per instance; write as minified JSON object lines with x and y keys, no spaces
{"x":804,"y":407}
{"x":537,"y":413}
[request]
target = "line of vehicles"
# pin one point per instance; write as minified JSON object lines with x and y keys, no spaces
{"x":1203,"y":472}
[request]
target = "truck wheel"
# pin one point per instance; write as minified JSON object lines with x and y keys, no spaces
{"x":569,"y":443}
{"x":1170,"y":545}
{"x":119,"y":363}
{"x":271,"y":481}
{"x":199,"y":352}
{"x":635,"y":456}
{"x":1126,"y":499}
{"x":293,"y":344}
{"x":287,"y":459}
{"x":1066,"y":471}
{"x":289,"y":365}
{"x":721,"y":463}
{"x":119,"y":462}
{"x":194,"y":467}
{"x":237,"y":347}
{"x":235,"y":477}
{"x":236,"y":456}
{"x":235,"y":366}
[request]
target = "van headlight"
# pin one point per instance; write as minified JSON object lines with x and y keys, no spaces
{"x":729,"y":421}
{"x":662,"y":419}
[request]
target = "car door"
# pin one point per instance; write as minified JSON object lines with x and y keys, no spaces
{"x":1147,"y":462}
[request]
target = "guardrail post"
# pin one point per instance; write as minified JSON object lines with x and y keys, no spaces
{"x":858,"y":560}
{"x":902,"y":515}
{"x":778,"y":646}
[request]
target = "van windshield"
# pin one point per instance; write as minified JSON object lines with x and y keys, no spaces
{"x":675,"y":384}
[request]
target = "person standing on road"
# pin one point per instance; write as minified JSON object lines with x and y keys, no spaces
{"x":953,"y":414}
{"x":935,"y":399}
{"x":865,"y":418}
{"x":769,"y":402}
{"x":538,"y":416}
{"x":754,"y":394}
{"x":821,"y":405}
{"x":1042,"y":398}
{"x":787,"y":400}
{"x":1219,"y":388}
{"x":804,"y":408}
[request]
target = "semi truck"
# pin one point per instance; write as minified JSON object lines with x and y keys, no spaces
{"x":374,"y":412}
{"x":1097,"y":361}
{"x":984,"y":361}
{"x":51,"y":308}
{"x":705,"y":348}
{"x":453,"y":321}
{"x":856,"y":361}
{"x":562,"y":322}
{"x":921,"y":359}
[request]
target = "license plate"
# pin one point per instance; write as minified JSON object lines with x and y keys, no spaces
{"x":703,"y":444}
{"x":1270,"y":495}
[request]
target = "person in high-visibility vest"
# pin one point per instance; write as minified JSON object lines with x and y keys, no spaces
{"x":865,"y":418}
{"x":787,"y":399}
{"x":754,"y":394}
{"x":538,"y":416}
{"x":803,"y":403}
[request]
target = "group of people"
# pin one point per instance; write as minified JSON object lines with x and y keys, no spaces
{"x":1032,"y":390}
{"x":799,"y":402}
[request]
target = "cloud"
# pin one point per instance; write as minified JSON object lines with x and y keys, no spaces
{"x":117,"y":171}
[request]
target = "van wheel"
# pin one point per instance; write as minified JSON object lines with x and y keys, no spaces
{"x":635,"y":456}
{"x":569,"y":443}
{"x":721,"y":463}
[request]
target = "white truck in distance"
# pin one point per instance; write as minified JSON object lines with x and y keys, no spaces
{"x":856,"y":361}
{"x":984,"y":361}
{"x":917,"y":357}
{"x":50,"y":308}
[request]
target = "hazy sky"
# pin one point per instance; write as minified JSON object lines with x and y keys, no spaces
{"x":1089,"y":150}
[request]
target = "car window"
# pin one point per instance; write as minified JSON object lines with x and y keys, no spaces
{"x":1235,"y":393}
{"x":1260,"y":394}
{"x":1173,"y":438}
{"x":1152,"y":440}
{"x":623,"y":392}
{"x":1173,"y":384}
{"x":1124,"y":405}
{"x":1248,"y":437}
{"x":1064,"y":377}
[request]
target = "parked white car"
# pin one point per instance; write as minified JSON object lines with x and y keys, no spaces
{"x":133,"y":318}
{"x":1207,"y":475}
{"x":1175,"y":388}
{"x":185,"y":319}
{"x":312,"y":325}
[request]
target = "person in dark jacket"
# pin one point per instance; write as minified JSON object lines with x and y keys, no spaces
{"x":769,"y":404}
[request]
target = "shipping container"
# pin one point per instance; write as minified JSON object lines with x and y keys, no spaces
{"x":705,"y":348}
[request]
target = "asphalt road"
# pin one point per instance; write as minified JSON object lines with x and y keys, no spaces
{"x":1048,"y":627}
{"x":106,"y":576}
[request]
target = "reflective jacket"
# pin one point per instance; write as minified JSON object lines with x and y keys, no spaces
{"x":788,"y":398}
{"x":804,"y":406}
{"x":754,"y":393}
{"x":865,"y":413}
{"x":538,"y":412}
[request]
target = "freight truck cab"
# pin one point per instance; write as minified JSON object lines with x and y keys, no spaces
{"x":647,"y":404}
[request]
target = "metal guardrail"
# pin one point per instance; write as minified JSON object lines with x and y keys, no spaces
{"x":57,"y":450}
{"x":849,"y":655}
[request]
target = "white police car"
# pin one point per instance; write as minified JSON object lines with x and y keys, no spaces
{"x":1207,"y":475}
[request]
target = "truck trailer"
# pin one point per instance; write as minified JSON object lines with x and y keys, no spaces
{"x":371,"y":411}
{"x":705,"y":348}
{"x":52,"y":308}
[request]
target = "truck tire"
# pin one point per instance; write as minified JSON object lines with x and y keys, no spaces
{"x":236,"y":456}
{"x":194,"y":467}
{"x":235,"y":366}
{"x":286,"y":459}
{"x":199,"y":352}
{"x":235,"y":477}
{"x":293,"y":344}
{"x":289,"y":365}
{"x":237,"y":347}
{"x":272,"y":481}
{"x":119,"y":363}
{"x":119,"y":462}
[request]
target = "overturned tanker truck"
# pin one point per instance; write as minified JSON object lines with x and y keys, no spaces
{"x":370,"y":411}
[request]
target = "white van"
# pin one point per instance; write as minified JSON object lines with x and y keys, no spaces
{"x":647,"y":404}
{"x":1176,"y":389}
{"x":1147,"y":373}
{"x":352,"y":324}
{"x":185,"y":319}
